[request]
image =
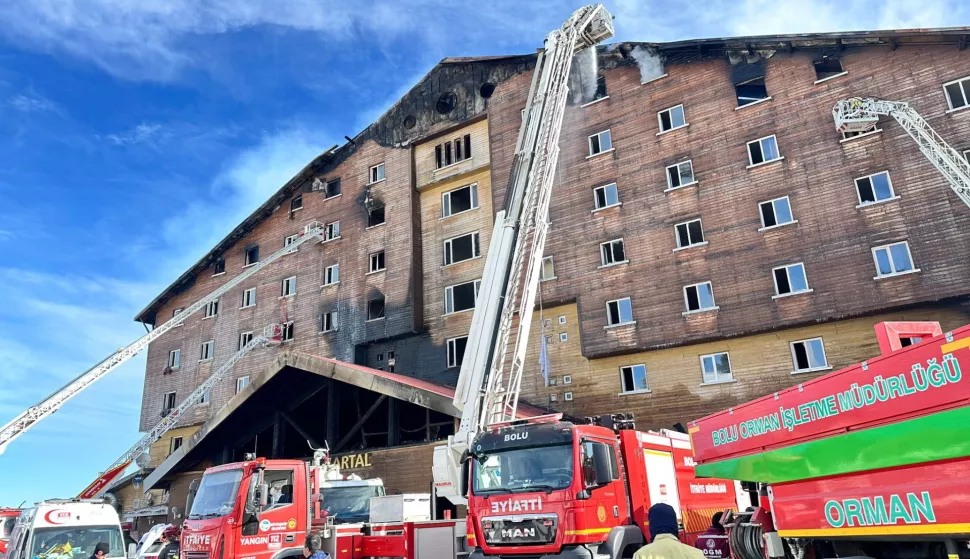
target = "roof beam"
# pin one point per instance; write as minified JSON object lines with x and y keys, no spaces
{"x":962,"y":42}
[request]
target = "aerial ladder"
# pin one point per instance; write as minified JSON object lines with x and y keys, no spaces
{"x":861,"y":115}
{"x":27,"y":419}
{"x":272,"y":336}
{"x":489,"y":382}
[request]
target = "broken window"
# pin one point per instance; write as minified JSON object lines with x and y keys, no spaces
{"x":672,"y":118}
{"x":548,"y":271}
{"x":461,"y":297}
{"x":699,"y":297}
{"x":633,"y":378}
{"x":874,"y":188}
{"x":251,"y":256}
{"x":174,"y":358}
{"x":207,"y":350}
{"x":790,"y":279}
{"x":453,"y":151}
{"x":459,"y":200}
{"x":211,"y":309}
{"x":958,"y":93}
{"x":600,"y":143}
{"x":376,"y":262}
{"x":288,"y":286}
{"x":174,"y":444}
{"x":328,"y":321}
{"x":242,"y":383}
{"x":376,"y":173}
{"x":689,"y":233}
{"x":287,"y":332}
{"x":619,"y":312}
{"x":244,"y":338}
{"x":808,"y":355}
{"x":461,"y":248}
{"x":681,"y":174}
{"x":600,"y":87}
{"x":375,"y":308}
{"x":375,"y":216}
{"x":828,"y":68}
{"x":776,"y":212}
{"x":332,"y":188}
{"x":606,"y":196}
{"x":763,"y":150}
{"x":612,"y":252}
{"x":751,"y":91}
{"x":168,"y":403}
{"x":331,"y":274}
{"x":296,"y":203}
{"x":219,"y":266}
{"x":456,"y":351}
{"x":332,"y":231}
{"x":248,"y":297}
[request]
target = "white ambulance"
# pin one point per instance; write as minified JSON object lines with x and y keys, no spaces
{"x":66,"y":529}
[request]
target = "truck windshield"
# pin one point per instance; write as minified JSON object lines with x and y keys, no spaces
{"x":524,"y":469}
{"x":216,"y":495}
{"x":349,"y":504}
{"x":75,"y":542}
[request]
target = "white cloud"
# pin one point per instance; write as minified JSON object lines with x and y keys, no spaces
{"x":32,"y":103}
{"x":141,"y":133}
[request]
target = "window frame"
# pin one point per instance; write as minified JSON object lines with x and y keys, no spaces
{"x":289,"y":240}
{"x":372,"y":212}
{"x":211,"y":309}
{"x":460,"y":150}
{"x":699,"y":309}
{"x":326,"y":189}
{"x":683,"y":114}
{"x":175,"y":312}
{"x":175,"y":363}
{"x":619,"y":313}
{"x":786,"y":267}
{"x":331,"y":231}
{"x":245,"y":382}
{"x":219,"y":267}
{"x":732,"y":378}
{"x":448,"y":245}
{"x":251,"y":256}
{"x":964,"y":88}
{"x":858,"y":193}
{"x":604,"y":188}
{"x":599,"y":142}
{"x":376,"y":262}
{"x":165,"y":400}
{"x":795,"y":370}
{"x":288,"y":282}
{"x":450,"y":291}
{"x":670,"y":184}
{"x":702,"y":242}
{"x":247,"y":336}
{"x":909,"y":252}
{"x":764,"y":161}
{"x":383,"y":309}
{"x":761,"y":215}
{"x":331,"y":272}
{"x":296,"y":203}
{"x":376,"y":173}
{"x":475,"y":203}
{"x":542,"y":269}
{"x":609,"y":245}
{"x":207,"y":354}
{"x":624,"y":391}
{"x":287,"y":330}
{"x":331,"y":316}
{"x":248,"y":294}
{"x":451,"y":351}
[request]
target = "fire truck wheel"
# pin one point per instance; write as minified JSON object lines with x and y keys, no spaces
{"x":623,"y":541}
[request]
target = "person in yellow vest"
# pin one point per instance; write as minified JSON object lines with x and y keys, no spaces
{"x":663,"y":537}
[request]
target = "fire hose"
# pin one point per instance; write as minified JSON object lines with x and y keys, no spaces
{"x":745,"y":541}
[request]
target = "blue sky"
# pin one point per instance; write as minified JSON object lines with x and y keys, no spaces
{"x":135,"y":133}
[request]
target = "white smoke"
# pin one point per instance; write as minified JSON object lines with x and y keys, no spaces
{"x":586,"y":63}
{"x":651,"y":66}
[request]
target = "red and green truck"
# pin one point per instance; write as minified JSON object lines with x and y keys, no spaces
{"x":872,"y":460}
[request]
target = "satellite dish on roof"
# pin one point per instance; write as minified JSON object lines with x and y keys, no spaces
{"x":143,"y":460}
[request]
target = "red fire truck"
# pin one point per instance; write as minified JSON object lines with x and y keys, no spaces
{"x":871,"y":460}
{"x":548,"y":487}
{"x":8,"y":517}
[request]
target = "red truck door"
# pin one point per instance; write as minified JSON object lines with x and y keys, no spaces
{"x":282,"y":524}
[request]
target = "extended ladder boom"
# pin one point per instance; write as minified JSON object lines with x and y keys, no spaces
{"x":490,"y":378}
{"x":272,"y":335}
{"x":861,"y":114}
{"x":52,"y":403}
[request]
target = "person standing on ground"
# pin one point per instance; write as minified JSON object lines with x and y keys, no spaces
{"x":713,"y":542}
{"x":312,"y":548}
{"x":663,"y":537}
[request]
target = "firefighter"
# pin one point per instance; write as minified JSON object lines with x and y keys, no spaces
{"x":713,"y":542}
{"x":663,"y":537}
{"x":170,"y":541}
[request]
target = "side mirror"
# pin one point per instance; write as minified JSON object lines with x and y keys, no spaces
{"x":262,"y":495}
{"x":190,"y":498}
{"x":602,"y":464}
{"x":132,"y":550}
{"x":464,"y":478}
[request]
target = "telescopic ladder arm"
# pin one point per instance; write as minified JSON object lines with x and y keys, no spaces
{"x":861,"y":114}
{"x":20,"y":424}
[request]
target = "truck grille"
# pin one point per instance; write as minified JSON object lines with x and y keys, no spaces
{"x":195,"y":555}
{"x":526,"y":529}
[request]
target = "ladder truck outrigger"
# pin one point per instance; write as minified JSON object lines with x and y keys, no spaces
{"x":543,"y":486}
{"x":28,"y":418}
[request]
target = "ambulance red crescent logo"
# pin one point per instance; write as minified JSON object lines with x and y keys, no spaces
{"x":61,"y":516}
